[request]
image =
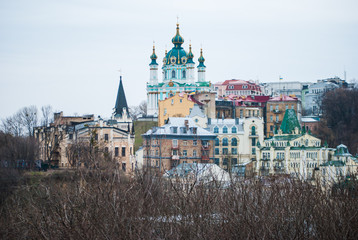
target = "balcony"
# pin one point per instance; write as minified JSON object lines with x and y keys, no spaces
{"x":279,"y":159}
{"x":175,"y":157}
{"x":277,"y":111}
{"x":205,"y":158}
{"x":205,"y":147}
{"x":253,"y":135}
{"x":175,"y":147}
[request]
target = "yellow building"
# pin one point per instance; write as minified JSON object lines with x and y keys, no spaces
{"x":175,"y":106}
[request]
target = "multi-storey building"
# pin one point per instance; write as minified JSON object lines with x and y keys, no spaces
{"x":236,"y":140}
{"x":178,"y":72}
{"x":237,"y":87}
{"x":66,"y":135}
{"x":293,"y":89}
{"x":291,"y":151}
{"x":275,"y":111}
{"x":178,"y":141}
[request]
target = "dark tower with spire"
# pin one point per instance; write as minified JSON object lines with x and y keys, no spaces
{"x":121,"y":107}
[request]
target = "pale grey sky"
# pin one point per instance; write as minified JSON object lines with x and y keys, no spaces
{"x":67,"y":53}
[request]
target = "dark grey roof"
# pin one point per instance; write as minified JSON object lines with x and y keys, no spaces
{"x":121,"y":101}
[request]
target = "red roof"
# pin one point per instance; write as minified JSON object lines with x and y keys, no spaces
{"x":283,"y":98}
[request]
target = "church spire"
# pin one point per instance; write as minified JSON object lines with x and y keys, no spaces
{"x":121,"y":107}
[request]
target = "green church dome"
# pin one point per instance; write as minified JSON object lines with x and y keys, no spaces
{"x":153,"y":57}
{"x":201,"y":59}
{"x":177,"y":55}
{"x":177,"y":39}
{"x":190,"y":55}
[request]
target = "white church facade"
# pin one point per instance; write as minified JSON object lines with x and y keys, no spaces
{"x":178,"y":75}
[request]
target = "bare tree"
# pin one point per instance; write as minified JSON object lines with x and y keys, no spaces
{"x":13,"y":125}
{"x":46,"y":115}
{"x":29,"y":118}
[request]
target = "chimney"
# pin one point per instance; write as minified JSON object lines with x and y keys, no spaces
{"x":186,"y":123}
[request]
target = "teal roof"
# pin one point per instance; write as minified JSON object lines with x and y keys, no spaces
{"x":342,"y":150}
{"x":334,"y":163}
{"x":190,"y":55}
{"x":290,"y":122}
{"x":201,"y":59}
{"x":177,"y":55}
{"x":177,"y":40}
{"x":154,"y":58}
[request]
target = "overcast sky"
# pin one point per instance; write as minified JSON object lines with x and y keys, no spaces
{"x":67,"y":53}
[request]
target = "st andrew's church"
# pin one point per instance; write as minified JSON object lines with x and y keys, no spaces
{"x":178,"y":75}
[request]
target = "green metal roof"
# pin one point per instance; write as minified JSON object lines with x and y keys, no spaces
{"x":290,"y":122}
{"x":334,"y":163}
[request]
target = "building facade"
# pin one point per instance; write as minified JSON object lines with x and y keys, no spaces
{"x":275,"y":112}
{"x":236,"y":140}
{"x":237,"y":88}
{"x":178,"y":141}
{"x":178,"y":74}
{"x":66,"y":136}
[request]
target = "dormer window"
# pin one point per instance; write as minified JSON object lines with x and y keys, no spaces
{"x":175,"y":129}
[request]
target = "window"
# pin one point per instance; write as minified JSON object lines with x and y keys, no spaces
{"x":195,"y":142}
{"x":233,"y":151}
{"x":253,"y":130}
{"x":181,"y":100}
{"x":194,"y":153}
{"x":253,"y":151}
{"x":225,"y":151}
{"x":217,"y":161}
{"x":173,"y":74}
{"x":233,"y":130}
{"x":217,"y":142}
{"x":184,"y":74}
{"x":233,"y":161}
{"x":106,"y":149}
{"x":225,"y":130}
{"x":123,"y":151}
{"x":276,"y":107}
{"x":241,"y":113}
{"x":292,"y":106}
{"x":286,"y":107}
{"x":217,"y":151}
{"x":271,"y":128}
{"x":116,"y":151}
{"x":225,"y":160}
{"x":96,"y":137}
{"x":106,"y":137}
{"x":172,"y":101}
{"x":165,"y":111}
{"x":216,"y":130}
{"x":70,"y":136}
{"x":175,"y":152}
{"x":253,"y":142}
{"x":175,"y":142}
{"x":277,"y":118}
{"x":233,"y":142}
{"x":156,"y":153}
{"x":185,"y":143}
{"x":271,"y":108}
{"x":185,"y":153}
{"x":225,"y":142}
{"x":175,"y":129}
{"x":271,"y":118}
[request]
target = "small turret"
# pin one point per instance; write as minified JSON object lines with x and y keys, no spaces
{"x":201,"y":67}
{"x":153,"y":68}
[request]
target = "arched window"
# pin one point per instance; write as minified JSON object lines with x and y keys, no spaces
{"x":216,"y":130}
{"x":225,"y":130}
{"x":225,"y":142}
{"x":233,"y":130}
{"x":173,"y":74}
{"x":217,"y":142}
{"x":184,"y":74}
{"x":233,"y":142}
{"x":253,"y":130}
